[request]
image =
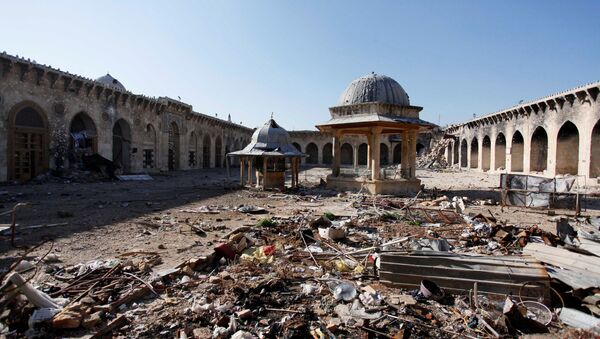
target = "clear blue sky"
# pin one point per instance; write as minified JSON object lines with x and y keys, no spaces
{"x":294,"y":58}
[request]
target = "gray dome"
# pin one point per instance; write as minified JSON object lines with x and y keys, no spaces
{"x":110,"y":81}
{"x":271,"y":134}
{"x":374,"y":88}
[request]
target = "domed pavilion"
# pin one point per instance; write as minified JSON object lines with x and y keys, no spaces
{"x":375,"y":105}
{"x":270,"y":153}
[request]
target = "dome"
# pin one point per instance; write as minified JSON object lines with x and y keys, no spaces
{"x":271,"y":134}
{"x":110,"y":81}
{"x":374,"y":88}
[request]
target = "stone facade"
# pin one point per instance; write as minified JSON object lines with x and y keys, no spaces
{"x":558,"y":134}
{"x":139,"y":133}
{"x":149,"y":134}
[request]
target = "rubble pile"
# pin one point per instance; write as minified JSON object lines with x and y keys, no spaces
{"x":391,"y":268}
{"x":435,"y":157}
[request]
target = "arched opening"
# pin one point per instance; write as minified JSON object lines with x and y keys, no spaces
{"x":173,"y":161}
{"x":595,"y":152}
{"x":538,"y":155}
{"x":500,"y":161}
{"x":328,"y":153}
{"x":486,"y":150}
{"x":218,"y":154}
{"x":149,"y":147}
{"x":122,"y":145}
{"x":83,"y":139}
{"x":517,"y":152}
{"x":297,"y":146}
{"x":192,"y":150}
{"x":83,"y":133}
{"x":347,"y":158}
{"x":474,"y":152}
{"x":420,"y":149}
{"x":463,"y":154}
{"x":362,"y":154}
{"x":567,"y":149}
{"x":313,"y":154}
{"x":449,"y":153}
{"x":28,"y":144}
{"x":456,"y":151}
{"x":384,"y":154}
{"x":397,"y":153}
{"x":206,"y":145}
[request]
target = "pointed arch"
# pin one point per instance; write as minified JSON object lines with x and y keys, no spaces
{"x":122,"y":145}
{"x":538,"y":155}
{"x":463,"y":154}
{"x":397,"y":153}
{"x":362,"y":154}
{"x":474,"y":152}
{"x":328,"y":153}
{"x":27,"y":141}
{"x":313,"y":154}
{"x":218,"y":152}
{"x":174,"y":147}
{"x":192,"y":150}
{"x":347,"y":154}
{"x":500,"y":161}
{"x":567,"y":149}
{"x":149,"y":147}
{"x":206,"y":146}
{"x":517,"y":152}
{"x":595,"y":152}
{"x":384,"y":158}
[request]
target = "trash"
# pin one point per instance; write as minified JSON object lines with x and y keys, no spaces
{"x":343,"y":291}
{"x":251,"y":209}
{"x":579,"y":319}
{"x":431,"y":290}
{"x":537,"y":311}
{"x":332,"y":233}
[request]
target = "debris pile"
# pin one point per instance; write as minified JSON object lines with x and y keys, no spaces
{"x":392,"y":268}
{"x":435,"y":157}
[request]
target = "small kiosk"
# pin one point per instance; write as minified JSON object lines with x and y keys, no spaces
{"x":271,"y":154}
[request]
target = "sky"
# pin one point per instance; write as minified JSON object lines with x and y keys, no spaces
{"x":295,"y":58}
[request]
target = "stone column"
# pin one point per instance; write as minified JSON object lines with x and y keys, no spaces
{"x":405,"y":159}
{"x":585,"y":150}
{"x":250,"y":172}
{"x":355,"y":157}
{"x":526,"y":150}
{"x":480,"y":153}
{"x":375,"y":160}
{"x":241,"y":172}
{"x":493,"y":151}
{"x":413,"y":154}
{"x":337,"y":156}
{"x":368,"y":153}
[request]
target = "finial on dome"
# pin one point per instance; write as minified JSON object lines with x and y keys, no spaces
{"x":271,"y":115}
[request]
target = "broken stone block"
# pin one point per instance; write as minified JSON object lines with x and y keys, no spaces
{"x":67,"y":319}
{"x":92,"y":320}
{"x":244,"y":314}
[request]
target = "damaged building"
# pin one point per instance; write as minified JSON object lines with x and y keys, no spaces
{"x":54,"y":120}
{"x":555,"y":135}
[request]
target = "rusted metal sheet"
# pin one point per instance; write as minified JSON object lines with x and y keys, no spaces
{"x":498,"y":275}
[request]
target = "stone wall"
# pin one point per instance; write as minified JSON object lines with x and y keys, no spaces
{"x":554,"y":135}
{"x":58,"y":97}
